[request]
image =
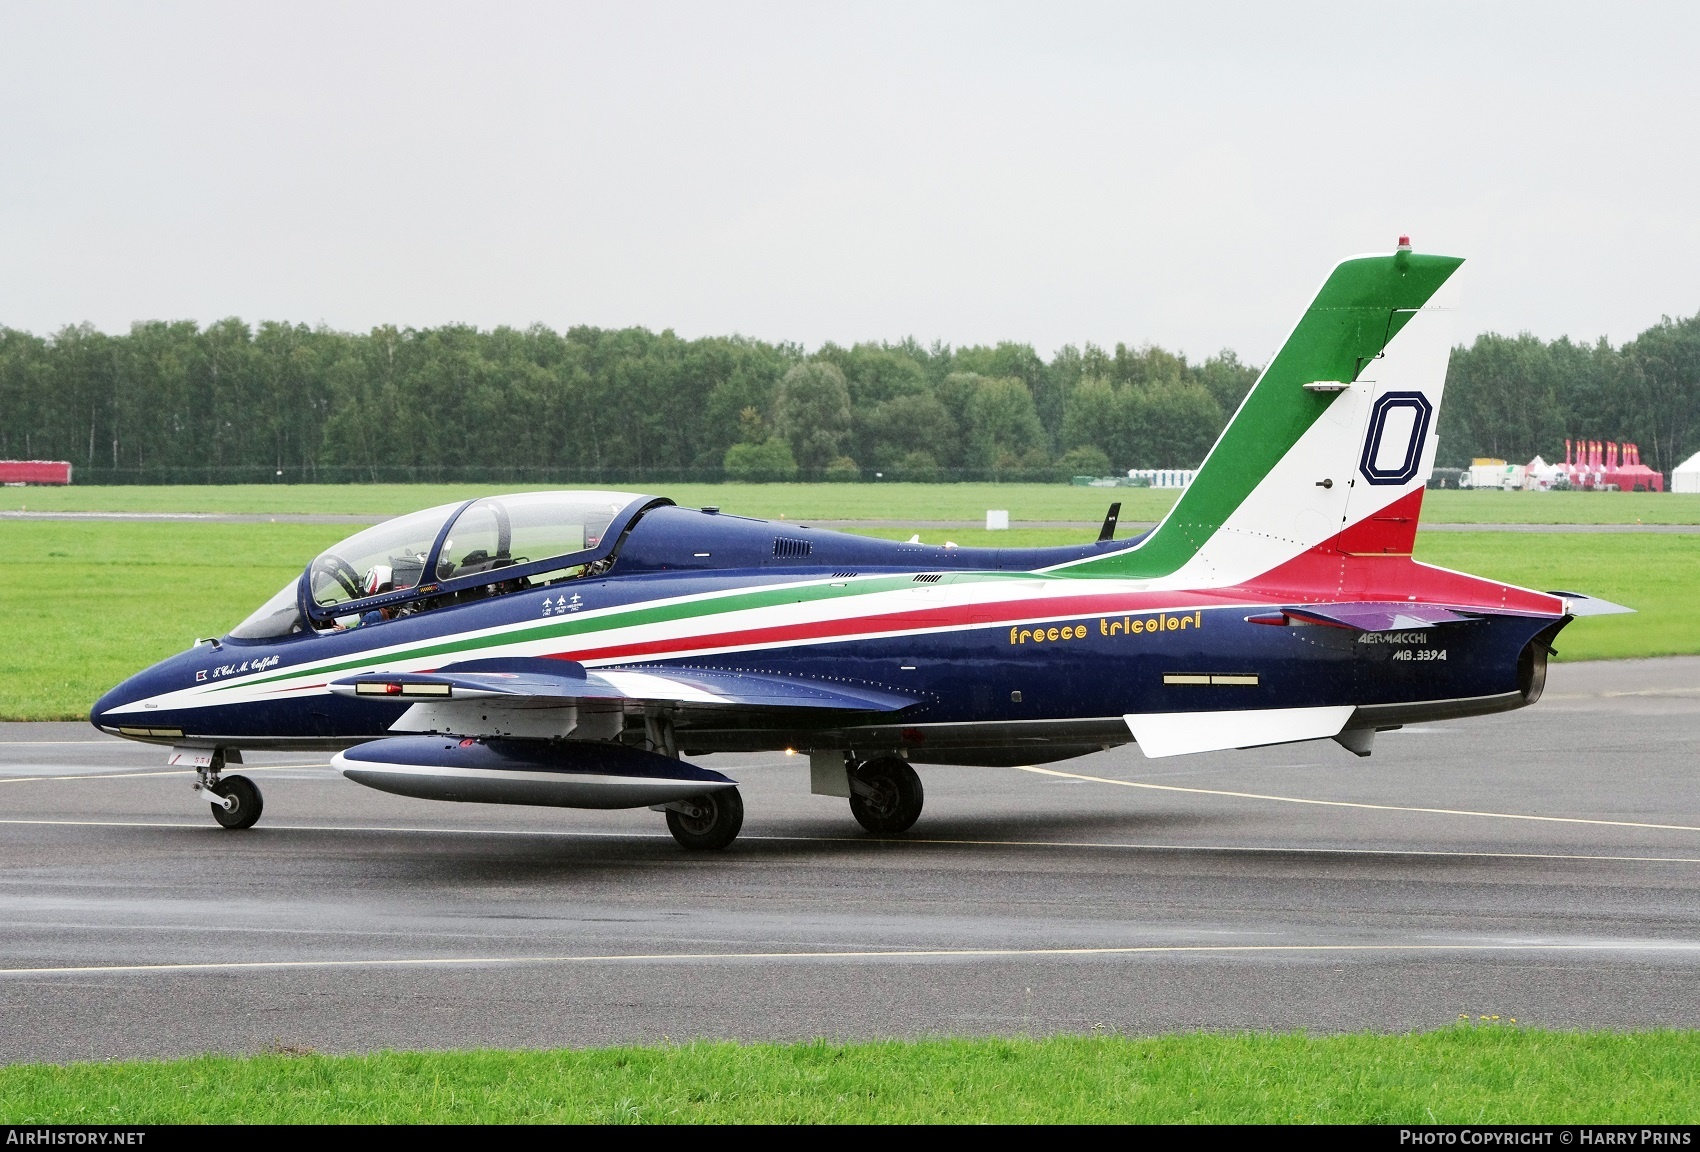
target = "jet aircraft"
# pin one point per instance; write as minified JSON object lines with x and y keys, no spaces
{"x":579,"y":648}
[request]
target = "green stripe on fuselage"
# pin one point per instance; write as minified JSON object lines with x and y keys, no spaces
{"x":1361,"y":307}
{"x":557,"y":627}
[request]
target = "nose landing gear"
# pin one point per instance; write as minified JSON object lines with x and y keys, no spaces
{"x":242,"y":802}
{"x":235,"y":800}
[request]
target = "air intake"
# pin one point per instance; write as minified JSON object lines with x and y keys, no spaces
{"x":785,"y":548}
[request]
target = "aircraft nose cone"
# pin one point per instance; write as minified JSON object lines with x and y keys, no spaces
{"x":105,"y":713}
{"x":143,"y":701}
{"x":101,"y":714}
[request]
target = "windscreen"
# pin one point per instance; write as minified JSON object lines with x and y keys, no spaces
{"x":279,"y":616}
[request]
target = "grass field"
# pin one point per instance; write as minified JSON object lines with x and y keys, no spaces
{"x":769,"y":501}
{"x":1453,"y":507}
{"x":1472,"y":1075}
{"x":1655,"y":575}
{"x":846,"y":501}
{"x":85,"y":604}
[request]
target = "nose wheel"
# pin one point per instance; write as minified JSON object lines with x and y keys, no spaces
{"x":886,"y":795}
{"x":242,"y":802}
{"x":235,"y":801}
{"x":707,"y":822}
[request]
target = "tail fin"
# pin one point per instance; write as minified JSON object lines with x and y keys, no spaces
{"x":1335,"y":440}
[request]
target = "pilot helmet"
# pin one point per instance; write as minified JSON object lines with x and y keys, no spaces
{"x":381,"y":578}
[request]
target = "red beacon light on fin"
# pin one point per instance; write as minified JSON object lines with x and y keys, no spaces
{"x":1404,"y":244}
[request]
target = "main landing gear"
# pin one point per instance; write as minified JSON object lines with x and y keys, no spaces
{"x":885,"y":795}
{"x":708,"y":821}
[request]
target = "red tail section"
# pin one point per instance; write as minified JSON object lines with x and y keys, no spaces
{"x":1390,"y":532}
{"x":1371,"y":560}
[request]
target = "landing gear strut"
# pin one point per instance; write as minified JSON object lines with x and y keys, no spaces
{"x":235,"y":800}
{"x":707,"y":822}
{"x":886,"y":795}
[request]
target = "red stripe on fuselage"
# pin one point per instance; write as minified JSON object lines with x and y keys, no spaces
{"x":923,"y":619}
{"x":1332,"y":572}
{"x":1324,"y":574}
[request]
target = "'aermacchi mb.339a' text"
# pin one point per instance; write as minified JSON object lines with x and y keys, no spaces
{"x":579,"y":648}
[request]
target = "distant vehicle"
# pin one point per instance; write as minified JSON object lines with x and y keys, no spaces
{"x":1488,"y":472}
{"x":16,"y":473}
{"x":578,"y":648}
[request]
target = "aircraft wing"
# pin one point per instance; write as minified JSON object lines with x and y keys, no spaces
{"x":556,"y":683}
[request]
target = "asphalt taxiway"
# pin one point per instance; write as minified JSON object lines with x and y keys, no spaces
{"x":1542,"y":865}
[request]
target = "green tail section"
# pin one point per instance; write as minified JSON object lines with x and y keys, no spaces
{"x":1360,"y":308}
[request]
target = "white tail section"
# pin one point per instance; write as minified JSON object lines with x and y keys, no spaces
{"x":1372,"y":447}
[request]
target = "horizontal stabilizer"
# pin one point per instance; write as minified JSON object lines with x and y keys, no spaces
{"x":550,"y":683}
{"x":1392,"y":616}
{"x":1180,"y":733}
{"x":1579,"y":605}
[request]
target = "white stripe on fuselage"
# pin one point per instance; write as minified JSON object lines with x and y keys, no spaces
{"x":909,"y":600}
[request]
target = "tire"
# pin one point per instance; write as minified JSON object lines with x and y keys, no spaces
{"x":895,"y":803}
{"x":716,"y":822}
{"x":249,"y":803}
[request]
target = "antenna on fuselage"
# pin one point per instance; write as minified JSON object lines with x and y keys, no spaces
{"x":1108,"y":531}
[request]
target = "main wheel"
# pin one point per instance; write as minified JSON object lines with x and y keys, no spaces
{"x":712,"y":822}
{"x":890,"y":796}
{"x":248,"y":802}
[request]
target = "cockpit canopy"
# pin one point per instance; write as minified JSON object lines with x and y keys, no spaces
{"x":388,"y":556}
{"x":444,"y":554}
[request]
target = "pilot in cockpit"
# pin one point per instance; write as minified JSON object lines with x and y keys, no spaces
{"x":473,"y":543}
{"x":379,"y":578}
{"x":401,"y":572}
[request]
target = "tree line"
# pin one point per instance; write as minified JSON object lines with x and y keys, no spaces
{"x":173,"y":402}
{"x":228,"y":403}
{"x":1514,"y":397}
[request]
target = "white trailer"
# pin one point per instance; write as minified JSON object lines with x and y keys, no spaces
{"x":1487,"y":472}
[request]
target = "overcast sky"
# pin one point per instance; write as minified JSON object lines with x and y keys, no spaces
{"x":1180,"y":174}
